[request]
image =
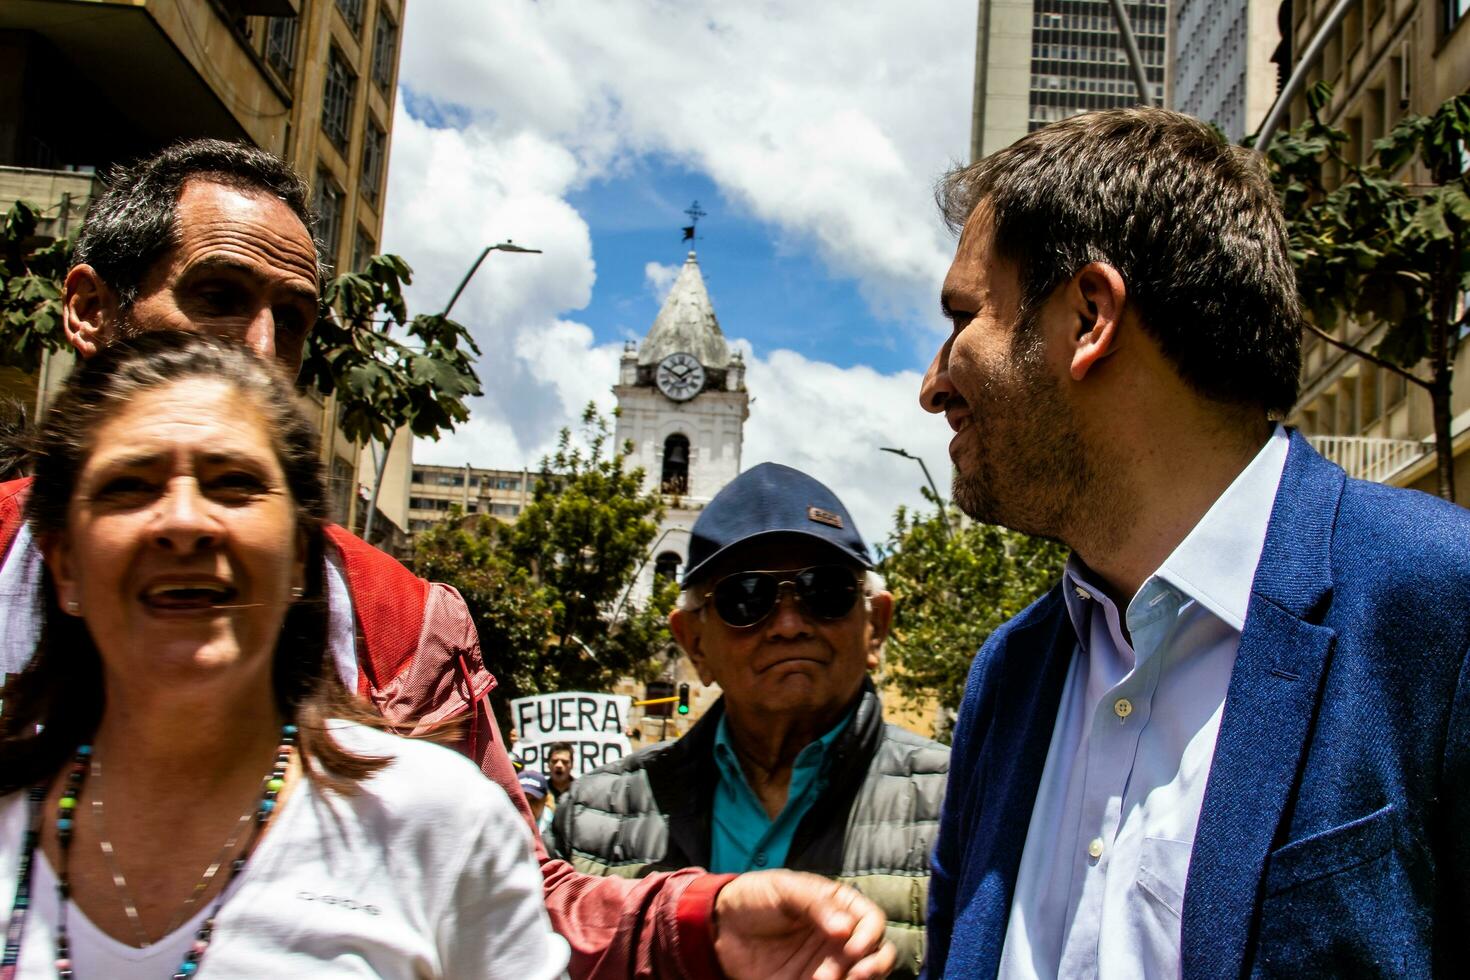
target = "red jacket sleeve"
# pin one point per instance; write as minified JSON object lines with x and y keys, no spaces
{"x":420,"y":665}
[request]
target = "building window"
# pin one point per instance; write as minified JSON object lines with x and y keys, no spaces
{"x":505,"y":510}
{"x":374,"y":152}
{"x":666,"y":567}
{"x":337,"y":100}
{"x":1454,"y":12}
{"x":385,"y":46}
{"x":507,"y":483}
{"x":675,"y":478}
{"x":363,"y":249}
{"x":329,"y":206}
{"x":352,"y":13}
{"x":280,"y":46}
{"x":343,"y":486}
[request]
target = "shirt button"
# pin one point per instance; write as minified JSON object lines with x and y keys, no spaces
{"x":1095,"y":849}
{"x":759,"y":859}
{"x":1122,"y":708}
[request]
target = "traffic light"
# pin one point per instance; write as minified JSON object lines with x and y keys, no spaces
{"x":683,"y":699}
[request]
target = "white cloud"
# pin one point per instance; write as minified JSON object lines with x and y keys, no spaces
{"x":660,"y":278}
{"x":826,"y":122}
{"x":832,"y":423}
{"x":829,"y":121}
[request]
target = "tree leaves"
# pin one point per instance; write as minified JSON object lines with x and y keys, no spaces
{"x":1377,"y":249}
{"x":951,"y":591}
{"x":383,"y":383}
{"x":31,"y":274}
{"x":548,"y":592}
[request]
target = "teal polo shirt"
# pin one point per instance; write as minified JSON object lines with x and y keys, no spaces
{"x":743,"y":837}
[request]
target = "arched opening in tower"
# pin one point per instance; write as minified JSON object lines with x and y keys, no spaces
{"x":666,"y":567}
{"x":675,"y":479}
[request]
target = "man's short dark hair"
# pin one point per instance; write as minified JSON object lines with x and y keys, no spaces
{"x":134,"y":221}
{"x":1189,"y":221}
{"x":560,"y":747}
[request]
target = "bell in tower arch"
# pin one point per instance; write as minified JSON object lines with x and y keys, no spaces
{"x":675,"y":477}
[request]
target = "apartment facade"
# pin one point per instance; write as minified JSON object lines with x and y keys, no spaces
{"x":1225,"y":61}
{"x":1388,"y":58}
{"x":1037,"y":61}
{"x":85,"y":84}
{"x":434,"y":490}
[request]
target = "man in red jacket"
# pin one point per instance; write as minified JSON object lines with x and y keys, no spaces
{"x":215,"y":237}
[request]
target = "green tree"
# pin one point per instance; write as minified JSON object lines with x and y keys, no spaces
{"x":31,"y":273}
{"x":546,"y":592}
{"x":1373,"y":247}
{"x":419,"y":379}
{"x":951,"y":591}
{"x":383,"y":383}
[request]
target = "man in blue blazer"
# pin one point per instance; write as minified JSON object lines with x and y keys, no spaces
{"x":1235,"y":739}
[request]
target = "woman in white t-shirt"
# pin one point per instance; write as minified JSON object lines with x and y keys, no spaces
{"x":185,"y":784}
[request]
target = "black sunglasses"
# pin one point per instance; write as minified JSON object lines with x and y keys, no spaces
{"x":744,"y":599}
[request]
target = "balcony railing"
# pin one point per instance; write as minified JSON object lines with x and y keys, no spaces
{"x":1368,"y":458}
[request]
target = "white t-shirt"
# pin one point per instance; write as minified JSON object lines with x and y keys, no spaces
{"x":428,"y":872}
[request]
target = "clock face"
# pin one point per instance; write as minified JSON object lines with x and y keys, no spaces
{"x":680,"y":376}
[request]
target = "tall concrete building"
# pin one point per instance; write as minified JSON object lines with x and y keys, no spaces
{"x":88,"y":83}
{"x":1386,"y":59}
{"x":1225,"y":59}
{"x":1037,"y":61}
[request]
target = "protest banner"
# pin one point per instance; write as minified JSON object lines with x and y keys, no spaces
{"x":593,"y":724}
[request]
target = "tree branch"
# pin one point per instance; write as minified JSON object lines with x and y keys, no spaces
{"x":1365,"y":355}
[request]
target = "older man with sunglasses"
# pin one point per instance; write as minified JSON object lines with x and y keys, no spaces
{"x":793,"y":767}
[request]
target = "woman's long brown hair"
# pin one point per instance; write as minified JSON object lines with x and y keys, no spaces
{"x":56,"y":703}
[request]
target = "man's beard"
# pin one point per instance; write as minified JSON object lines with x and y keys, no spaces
{"x":1034,"y":473}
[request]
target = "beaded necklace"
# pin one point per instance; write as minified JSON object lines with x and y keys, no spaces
{"x":65,"y":815}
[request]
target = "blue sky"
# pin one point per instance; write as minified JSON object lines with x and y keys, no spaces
{"x":768,"y":286}
{"x":811,"y":135}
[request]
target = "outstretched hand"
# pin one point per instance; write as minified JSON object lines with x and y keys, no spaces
{"x":789,"y":925}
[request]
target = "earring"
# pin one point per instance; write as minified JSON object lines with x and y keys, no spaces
{"x":73,"y":608}
{"x":297,"y":592}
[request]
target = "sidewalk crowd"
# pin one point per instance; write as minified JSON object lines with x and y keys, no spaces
{"x":1233,"y":740}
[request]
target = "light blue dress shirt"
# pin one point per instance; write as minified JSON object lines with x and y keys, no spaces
{"x":1101,"y":883}
{"x":743,"y":836}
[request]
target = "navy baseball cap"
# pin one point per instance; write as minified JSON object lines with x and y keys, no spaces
{"x":534,"y":784}
{"x":769,"y":500}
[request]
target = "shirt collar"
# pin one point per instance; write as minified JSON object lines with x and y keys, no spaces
{"x":814,"y":755}
{"x":1216,"y":562}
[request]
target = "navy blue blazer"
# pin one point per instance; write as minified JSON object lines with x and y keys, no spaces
{"x":1334,"y":837}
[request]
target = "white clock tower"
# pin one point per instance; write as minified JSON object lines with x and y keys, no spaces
{"x":683,"y":406}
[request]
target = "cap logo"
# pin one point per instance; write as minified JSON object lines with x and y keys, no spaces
{"x":824,"y":517}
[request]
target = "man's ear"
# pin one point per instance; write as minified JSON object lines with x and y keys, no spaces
{"x":1098,"y":297}
{"x":880,"y":621}
{"x":56,"y":552}
{"x":684,"y":624}
{"x":89,"y":310}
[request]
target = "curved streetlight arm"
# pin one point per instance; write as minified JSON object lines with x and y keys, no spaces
{"x":943,"y":514}
{"x":1298,"y":78}
{"x":618,"y":609}
{"x":505,"y":246}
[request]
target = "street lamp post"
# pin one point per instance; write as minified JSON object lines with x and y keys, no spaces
{"x":944,"y":516}
{"x":505,"y":246}
{"x":617,"y":610}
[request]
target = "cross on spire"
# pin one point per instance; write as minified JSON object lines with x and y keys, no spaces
{"x":695,"y":212}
